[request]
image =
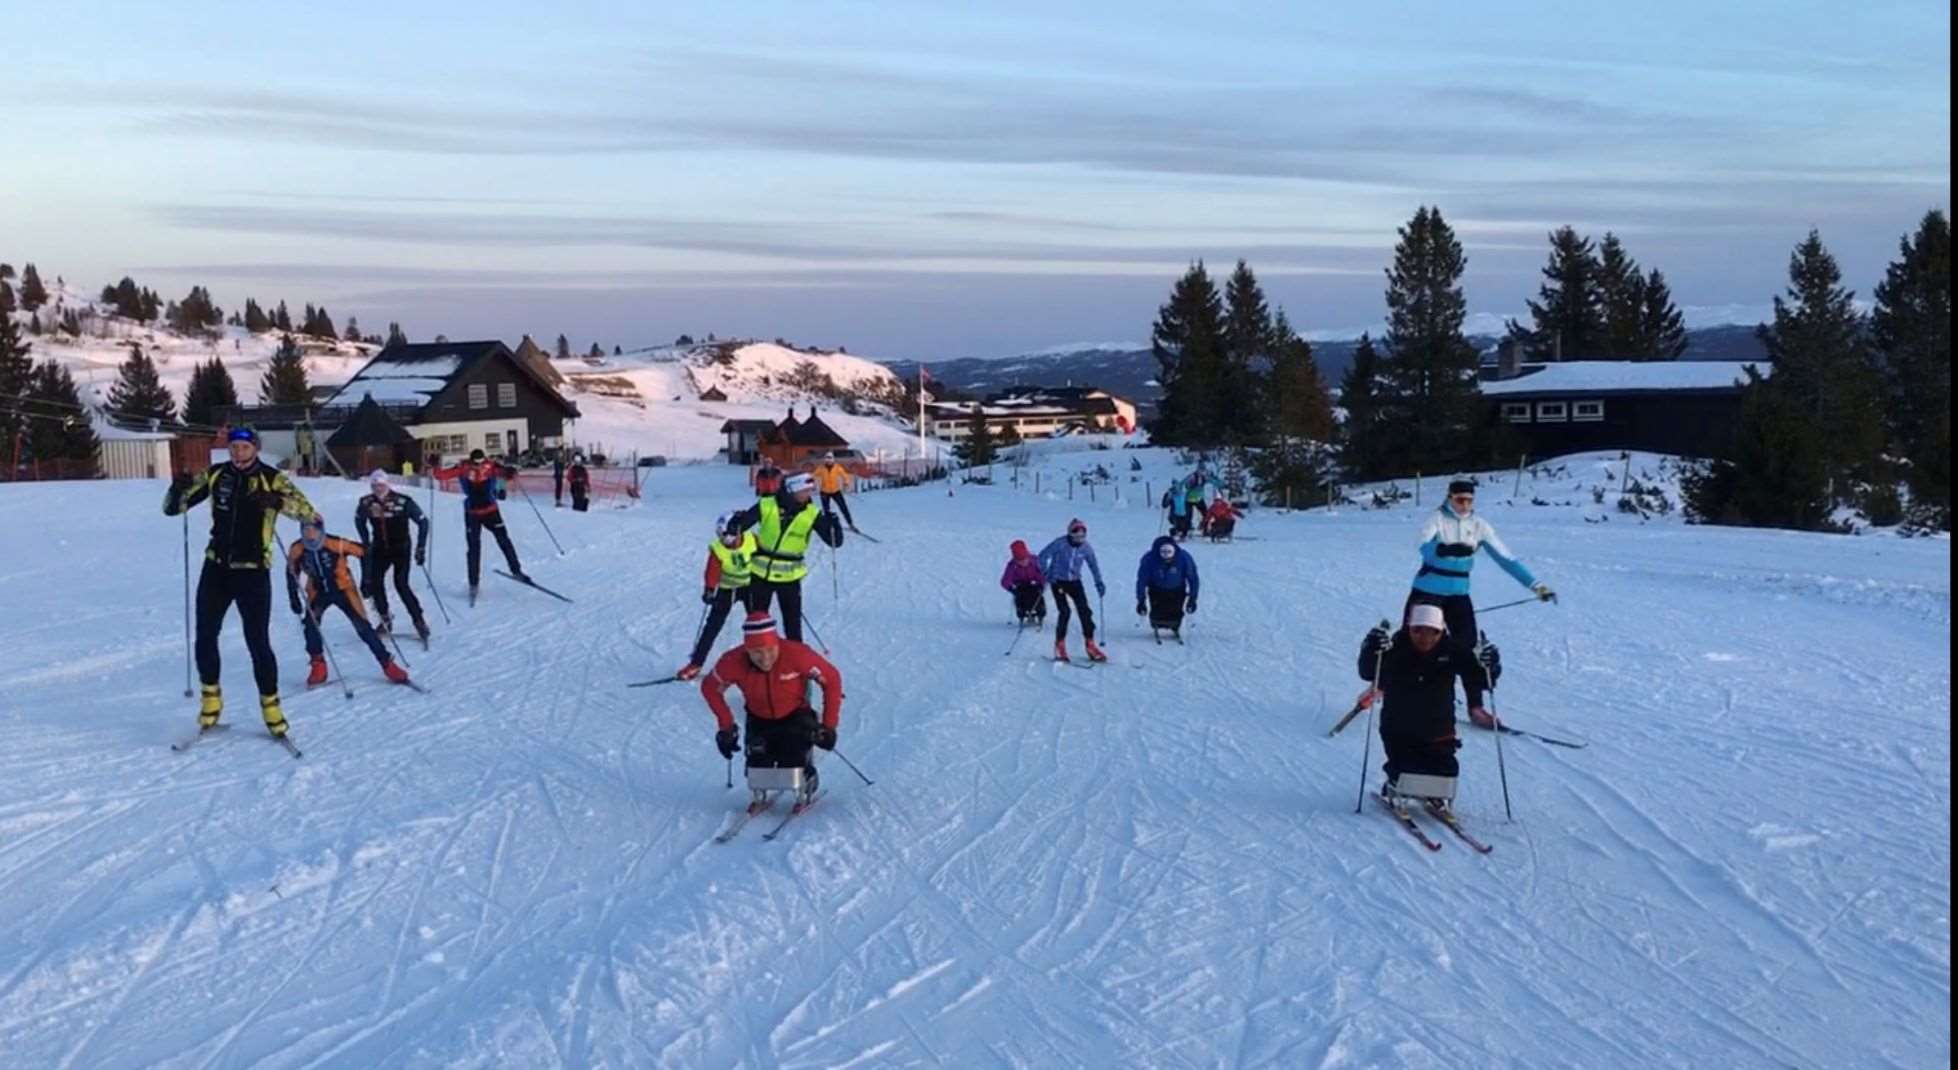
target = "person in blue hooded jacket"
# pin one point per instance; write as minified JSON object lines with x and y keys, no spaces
{"x":1062,"y":563}
{"x":1166,"y":584}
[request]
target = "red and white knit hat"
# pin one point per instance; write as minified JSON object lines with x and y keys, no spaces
{"x":759,"y":630}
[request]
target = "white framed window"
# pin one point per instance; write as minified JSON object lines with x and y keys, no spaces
{"x":479,"y":395}
{"x":1516,"y":412}
{"x":1552,"y":412}
{"x":493,"y":442}
{"x":1587,"y":411}
{"x":506,"y":395}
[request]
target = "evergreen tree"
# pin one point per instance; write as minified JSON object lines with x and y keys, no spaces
{"x":32,"y":294}
{"x":68,"y":437}
{"x":396,"y":336}
{"x":1431,"y":399}
{"x":7,"y":303}
{"x":34,"y":324}
{"x":282,"y":320}
{"x":6,"y":272}
{"x":125,"y":299}
{"x":617,"y":351}
{"x":1188,"y":342}
{"x":196,"y":313}
{"x":1621,"y":292}
{"x":1568,"y":317}
{"x":1301,"y":406}
{"x":1823,"y":365}
{"x":256,"y":321}
{"x":1911,"y":329}
{"x":71,"y":323}
{"x":138,"y":394}
{"x":1662,"y":330}
{"x":1250,"y":345}
{"x":1361,"y":394}
{"x":323,"y":326}
{"x":563,"y":348}
{"x":595,"y":351}
{"x":152,"y":307}
{"x":210,"y":387}
{"x":1775,"y":477}
{"x":352,"y":333}
{"x":980,"y":446}
{"x":16,"y":377}
{"x":284,"y":381}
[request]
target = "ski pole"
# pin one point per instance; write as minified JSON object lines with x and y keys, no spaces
{"x":807,"y":623}
{"x":700,"y":628}
{"x":853,"y":767}
{"x":1506,"y":605}
{"x":1366,"y":755}
{"x":345,"y":687}
{"x":833,"y":584}
{"x":730,"y":772}
{"x":1481,"y":641}
{"x":540,"y":517}
{"x":1369,"y":696}
{"x":186,"y":516}
{"x":437,"y":592}
{"x":1017,"y":632}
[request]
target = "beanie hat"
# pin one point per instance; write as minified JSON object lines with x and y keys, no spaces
{"x":1077,"y":525}
{"x":1019,"y":548}
{"x":475,"y":455}
{"x":1427,"y":616}
{"x":380,"y":477}
{"x":759,"y":630}
{"x":799,"y":482}
{"x":1461,"y":486}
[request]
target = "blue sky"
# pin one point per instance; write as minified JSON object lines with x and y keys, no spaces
{"x":937,"y":180}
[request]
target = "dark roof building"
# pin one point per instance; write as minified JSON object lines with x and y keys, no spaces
{"x":447,"y":383}
{"x":1682,"y":407}
{"x":372,"y":439}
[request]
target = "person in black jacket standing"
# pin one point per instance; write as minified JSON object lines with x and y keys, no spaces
{"x":391,"y":547}
{"x":1417,"y":674}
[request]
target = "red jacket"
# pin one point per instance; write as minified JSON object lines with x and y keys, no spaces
{"x":777,"y":693}
{"x":1222,"y":509}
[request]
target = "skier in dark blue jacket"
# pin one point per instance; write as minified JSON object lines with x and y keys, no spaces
{"x":1166,"y":585}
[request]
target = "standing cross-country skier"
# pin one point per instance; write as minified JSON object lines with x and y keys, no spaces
{"x":1024,"y":581}
{"x":730,"y":566}
{"x":1449,"y":539}
{"x":783,"y":523}
{"x":833,"y":479}
{"x":1417,"y":673}
{"x":1166,"y":585}
{"x":247,"y":495}
{"x":1179,"y":512}
{"x":557,"y":479}
{"x":1062,"y":563}
{"x":580,"y":486}
{"x":482,"y":482}
{"x":322,"y":559}
{"x":773,"y":675}
{"x":382,"y":520}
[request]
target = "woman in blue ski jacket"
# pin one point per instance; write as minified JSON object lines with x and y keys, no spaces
{"x":1062,"y":562}
{"x":1449,"y":540}
{"x":1166,"y":584}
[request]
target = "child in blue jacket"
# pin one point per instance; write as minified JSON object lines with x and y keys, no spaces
{"x":1166,"y":584}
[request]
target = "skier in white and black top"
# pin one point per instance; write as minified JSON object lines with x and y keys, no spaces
{"x":390,"y":547}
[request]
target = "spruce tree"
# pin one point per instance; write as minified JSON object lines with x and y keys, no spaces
{"x":282,"y":320}
{"x":1249,"y":347}
{"x":563,"y":348}
{"x":396,"y":336}
{"x":6,"y":271}
{"x":1363,"y":435}
{"x":65,"y":438}
{"x":1568,"y":316}
{"x":138,"y":394}
{"x":16,"y":378}
{"x":323,"y":326}
{"x":1823,"y":366}
{"x":1431,"y":399}
{"x":152,"y":307}
{"x":1775,"y":476}
{"x":352,"y":333}
{"x":595,"y":351}
{"x":1662,"y":330}
{"x":32,"y":294}
{"x":256,"y":321}
{"x":7,"y":303}
{"x":980,"y":446}
{"x":1301,"y":406}
{"x":284,"y":381}
{"x":1911,"y":329}
{"x":1621,"y":292}
{"x":1188,"y":342}
{"x":210,"y":388}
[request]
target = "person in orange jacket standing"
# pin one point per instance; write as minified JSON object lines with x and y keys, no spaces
{"x":773,"y":675}
{"x":322,"y":559}
{"x":832,"y":479}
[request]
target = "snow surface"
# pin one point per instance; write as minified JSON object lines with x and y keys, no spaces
{"x":1153,"y":863}
{"x":1612,"y":375}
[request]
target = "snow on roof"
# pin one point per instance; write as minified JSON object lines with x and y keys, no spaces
{"x":107,"y":431}
{"x":438,"y":367}
{"x":389,"y":391}
{"x":1606,"y":376}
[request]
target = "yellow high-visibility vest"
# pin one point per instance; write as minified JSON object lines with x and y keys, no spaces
{"x":735,"y":561}
{"x":781,"y":549}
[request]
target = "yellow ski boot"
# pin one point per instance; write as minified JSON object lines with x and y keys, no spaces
{"x":275,"y":718}
{"x":210,"y":707}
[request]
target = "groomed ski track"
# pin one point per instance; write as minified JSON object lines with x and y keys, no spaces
{"x":1155,"y":863}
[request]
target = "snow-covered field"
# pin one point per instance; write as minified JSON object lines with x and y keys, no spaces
{"x":1155,"y":863}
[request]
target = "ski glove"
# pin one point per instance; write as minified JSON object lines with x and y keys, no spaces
{"x":1544,"y":593}
{"x":1100,"y":589}
{"x":826,"y":737}
{"x":1491,"y":660}
{"x":297,"y":609}
{"x":421,"y":555}
{"x":707,"y":597}
{"x":728,"y":740}
{"x":1141,"y":607}
{"x":1192,"y":607}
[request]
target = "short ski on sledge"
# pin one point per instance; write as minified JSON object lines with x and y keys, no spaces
{"x":1527,"y":734}
{"x":528,"y":582}
{"x":1447,"y":817}
{"x":656,"y":683}
{"x":188,"y":742}
{"x":741,"y":820}
{"x":794,"y":812}
{"x":1406,"y":821}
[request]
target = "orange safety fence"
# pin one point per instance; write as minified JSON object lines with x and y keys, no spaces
{"x":614,"y":485}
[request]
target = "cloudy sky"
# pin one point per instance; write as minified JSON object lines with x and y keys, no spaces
{"x":935,"y":179}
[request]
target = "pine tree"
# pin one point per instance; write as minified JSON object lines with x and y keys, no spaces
{"x":16,"y":377}
{"x":1823,"y":365}
{"x":1621,"y":292}
{"x":595,"y":351}
{"x":34,"y":324}
{"x":1431,"y":399}
{"x":1188,"y":342}
{"x":210,"y":388}
{"x":7,"y":303}
{"x":563,"y":348}
{"x":152,"y":306}
{"x":32,"y":294}
{"x":323,"y":326}
{"x":282,"y":320}
{"x":1662,"y":330}
{"x":1776,"y":476}
{"x":256,"y":321}
{"x":1362,"y":436}
{"x":284,"y":381}
{"x":1911,"y":329}
{"x":67,"y":437}
{"x":1250,"y":345}
{"x":396,"y":336}
{"x":617,"y":351}
{"x":138,"y":394}
{"x":980,"y":446}
{"x":1568,"y":317}
{"x":1301,"y":406}
{"x":6,"y":271}
{"x":352,"y":333}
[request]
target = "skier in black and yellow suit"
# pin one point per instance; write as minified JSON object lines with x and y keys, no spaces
{"x":322,"y":559}
{"x":247,"y":495}
{"x":783,"y":523}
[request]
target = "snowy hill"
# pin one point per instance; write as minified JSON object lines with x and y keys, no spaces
{"x":1152,"y":863}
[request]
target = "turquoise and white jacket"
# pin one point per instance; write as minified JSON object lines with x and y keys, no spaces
{"x":1448,"y":545}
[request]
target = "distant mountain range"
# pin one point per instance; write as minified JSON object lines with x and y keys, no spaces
{"x":1131,"y":372}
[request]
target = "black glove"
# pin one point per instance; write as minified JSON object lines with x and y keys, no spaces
{"x":1491,"y":659}
{"x":421,"y":555}
{"x":727,"y":740}
{"x":182,"y":483}
{"x":297,"y":609}
{"x":1141,"y":607}
{"x":1376,"y":641}
{"x":826,"y":737}
{"x":707,"y":597}
{"x":502,"y":495}
{"x":1192,"y":606}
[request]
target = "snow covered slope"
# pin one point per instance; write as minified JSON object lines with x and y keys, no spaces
{"x":1152,"y":863}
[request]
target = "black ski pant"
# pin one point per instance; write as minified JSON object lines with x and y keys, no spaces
{"x":580,"y":498}
{"x":1459,"y":613}
{"x":1416,"y":754}
{"x":841,"y":503}
{"x":1028,"y":601}
{"x":375,"y":568}
{"x":782,"y":742}
{"x":557,"y":490}
{"x":218,"y":587}
{"x":724,"y":602}
{"x":1179,"y":526}
{"x":1166,"y":608}
{"x":762,"y":593}
{"x":472,"y":530}
{"x":1064,"y":590}
{"x":337,"y":599}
